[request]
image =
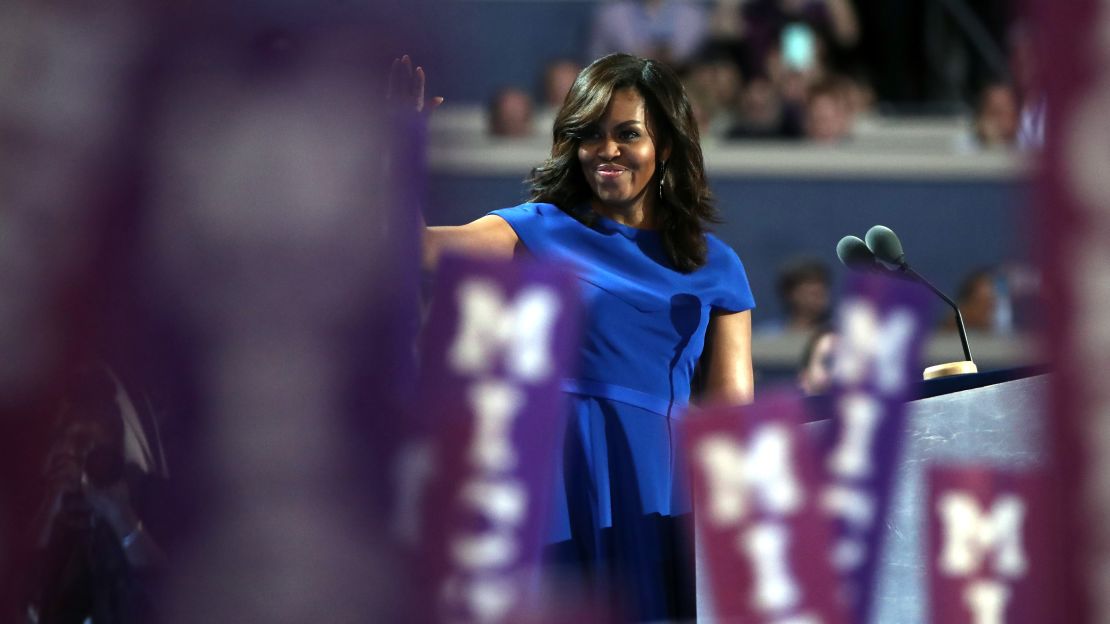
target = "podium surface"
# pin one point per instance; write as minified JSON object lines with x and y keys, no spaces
{"x":1000,"y":426}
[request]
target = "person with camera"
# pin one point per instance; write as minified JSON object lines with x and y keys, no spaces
{"x":97,"y":559}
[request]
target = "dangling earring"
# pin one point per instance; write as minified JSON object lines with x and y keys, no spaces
{"x":662,"y":174}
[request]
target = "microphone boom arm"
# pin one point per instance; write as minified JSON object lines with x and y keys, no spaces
{"x":905,"y":268}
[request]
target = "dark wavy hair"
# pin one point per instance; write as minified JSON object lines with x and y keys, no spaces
{"x":686,"y":209}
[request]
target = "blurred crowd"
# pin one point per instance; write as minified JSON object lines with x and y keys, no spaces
{"x":808,"y":69}
{"x":995,"y":300}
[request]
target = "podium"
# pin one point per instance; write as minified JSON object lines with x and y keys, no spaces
{"x":1001,"y":425}
{"x":987,"y":419}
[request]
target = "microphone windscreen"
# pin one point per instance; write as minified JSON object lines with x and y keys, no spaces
{"x":884,"y":243}
{"x":853,"y":252}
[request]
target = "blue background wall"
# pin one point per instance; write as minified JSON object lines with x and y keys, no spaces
{"x":488,"y":44}
{"x":948,"y":227}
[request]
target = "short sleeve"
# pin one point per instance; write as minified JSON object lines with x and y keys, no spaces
{"x":530,"y":223}
{"x":732,"y":292}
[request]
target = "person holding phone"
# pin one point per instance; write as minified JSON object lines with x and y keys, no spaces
{"x":97,"y":558}
{"x":796,"y":35}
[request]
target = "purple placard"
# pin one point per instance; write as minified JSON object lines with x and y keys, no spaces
{"x":986,"y":558}
{"x":1072,"y":225}
{"x":756,"y":496}
{"x":882,"y":325}
{"x":500,"y":338}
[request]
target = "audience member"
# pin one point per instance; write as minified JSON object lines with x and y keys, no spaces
{"x":967,"y":48}
{"x":996,"y":117}
{"x":804,"y":286}
{"x":828,"y":114}
{"x":861,"y":100}
{"x":671,"y":31}
{"x":1026,"y":71}
{"x":831,"y":27}
{"x":762,"y":114}
{"x":977,"y":298}
{"x":558,"y":77}
{"x":1031,"y":126}
{"x":97,"y":556}
{"x":704,"y":109}
{"x":816,"y":366}
{"x":714,"y":80}
{"x":795,"y":85}
{"x":510,"y":114}
{"x":726,"y":27}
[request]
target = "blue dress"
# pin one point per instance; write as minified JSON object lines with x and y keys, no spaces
{"x":619,"y":497}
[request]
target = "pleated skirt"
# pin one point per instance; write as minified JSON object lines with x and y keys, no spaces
{"x":620,"y":530}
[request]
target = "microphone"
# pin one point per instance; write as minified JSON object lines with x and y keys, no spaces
{"x":884,"y":243}
{"x":882,"y":252}
{"x":855,"y":255}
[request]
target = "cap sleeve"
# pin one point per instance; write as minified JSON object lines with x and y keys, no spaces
{"x":529,"y":221}
{"x":732,"y":292}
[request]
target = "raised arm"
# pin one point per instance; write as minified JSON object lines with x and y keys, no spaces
{"x":405,"y":87}
{"x":490,"y":237}
{"x":845,"y":25}
{"x":728,"y":346}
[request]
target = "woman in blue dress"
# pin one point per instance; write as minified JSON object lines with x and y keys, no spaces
{"x":623,"y":200}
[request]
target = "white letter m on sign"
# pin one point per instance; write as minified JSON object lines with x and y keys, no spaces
{"x":488,"y":325}
{"x":732,"y":472}
{"x":969,"y":534}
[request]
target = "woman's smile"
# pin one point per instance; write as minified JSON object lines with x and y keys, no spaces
{"x":608,"y":172}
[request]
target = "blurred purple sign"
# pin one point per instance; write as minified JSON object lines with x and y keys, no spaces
{"x":882,"y":324}
{"x":986,"y":562}
{"x":1073,"y":242}
{"x":499,"y":340}
{"x":756,"y":495}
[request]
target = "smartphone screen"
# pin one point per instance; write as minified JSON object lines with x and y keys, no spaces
{"x":798,"y":47}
